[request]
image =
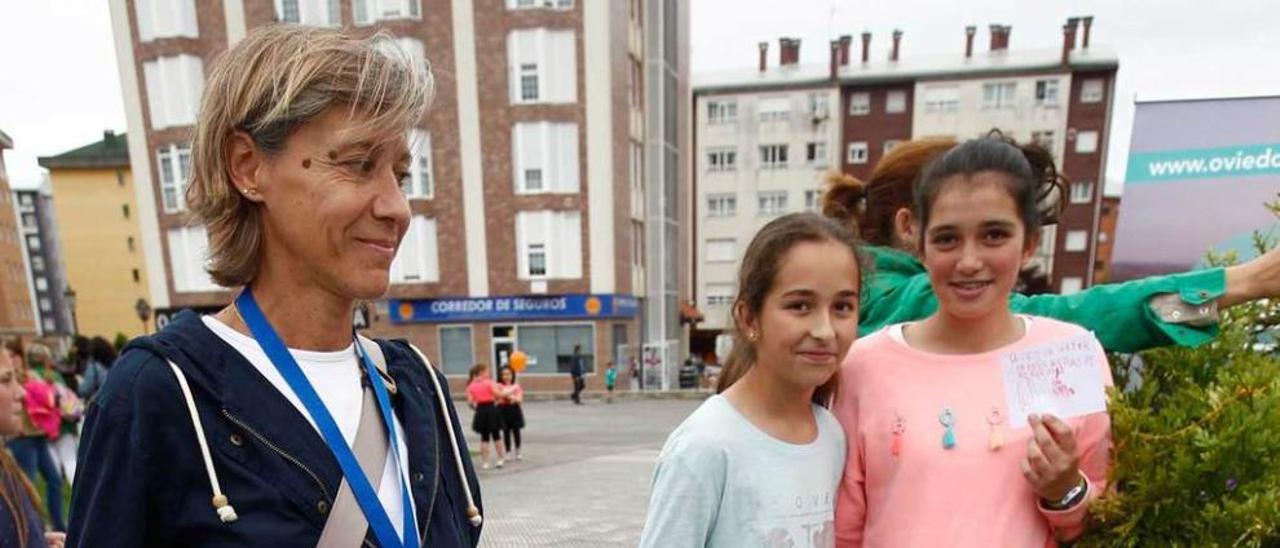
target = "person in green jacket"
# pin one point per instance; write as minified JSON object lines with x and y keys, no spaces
{"x":1177,"y":309}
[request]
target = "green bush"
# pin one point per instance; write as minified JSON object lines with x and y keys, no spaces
{"x":1197,"y":439}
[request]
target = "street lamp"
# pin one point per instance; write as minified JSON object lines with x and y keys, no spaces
{"x":144,"y":312}
{"x":69,"y":295}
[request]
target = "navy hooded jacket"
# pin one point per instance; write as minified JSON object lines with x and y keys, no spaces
{"x":142,"y":480}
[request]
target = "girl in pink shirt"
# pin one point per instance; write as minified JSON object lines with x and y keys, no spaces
{"x":482,"y":394}
{"x":510,"y":409}
{"x":933,"y":457}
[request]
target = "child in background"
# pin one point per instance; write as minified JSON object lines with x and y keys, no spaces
{"x":933,"y":458}
{"x":759,"y":463}
{"x":610,"y":379}
{"x":482,"y":394}
{"x":509,"y":399}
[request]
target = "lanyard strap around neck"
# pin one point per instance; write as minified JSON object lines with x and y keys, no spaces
{"x":365,"y":495}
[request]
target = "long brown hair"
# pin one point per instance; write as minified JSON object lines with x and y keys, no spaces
{"x":760,"y":265}
{"x":869,"y":208}
{"x":13,"y":500}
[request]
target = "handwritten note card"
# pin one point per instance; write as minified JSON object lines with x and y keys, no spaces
{"x":1064,"y":378}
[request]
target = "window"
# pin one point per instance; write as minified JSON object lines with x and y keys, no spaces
{"x":129,"y":242}
{"x":812,"y":199}
{"x":719,"y":294}
{"x":125,"y":209}
{"x":1071,"y":285}
{"x":1077,"y":240}
{"x":166,"y":19}
{"x":889,"y":144}
{"x":456,"y":353}
{"x":722,"y":160}
{"x":549,"y":244}
{"x":537,"y":259}
{"x":1081,"y":193}
{"x":546,"y":157}
{"x":309,"y":12}
{"x":119,"y":177}
{"x":772,"y":202}
{"x":942,"y":99}
{"x":45,"y":305}
{"x":42,"y":284}
{"x":722,"y":205}
{"x":25,"y":200}
{"x":858,"y":152}
{"x":860,"y":104}
{"x":49,"y":324}
{"x":33,"y":243}
{"x":137,"y":276}
{"x":542,"y":66}
{"x":37,"y":263}
{"x":895,"y":102}
{"x":773,"y":156}
{"x":722,"y":112}
{"x":417,"y":260}
{"x":816,"y":154}
{"x":28,"y":220}
{"x":1091,"y":91}
{"x":998,"y":95}
{"x":173,"y":85}
{"x":175,"y":167}
{"x":1044,"y":139}
{"x":818,"y":105}
{"x":529,"y":4}
{"x":775,"y":109}
{"x":419,"y":183}
{"x":529,"y":82}
{"x":370,"y":11}
{"x":550,"y":347}
{"x":189,"y":258}
{"x":722,"y":250}
{"x":1047,"y":93}
{"x":1086,"y":142}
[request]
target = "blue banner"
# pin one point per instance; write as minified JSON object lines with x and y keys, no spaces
{"x":531,"y":307}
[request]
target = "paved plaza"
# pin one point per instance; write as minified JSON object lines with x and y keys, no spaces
{"x":584,"y":480}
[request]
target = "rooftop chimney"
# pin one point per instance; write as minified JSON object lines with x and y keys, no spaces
{"x":845,"y":40}
{"x":1068,"y":40}
{"x":1000,"y":37}
{"x":764,"y":56}
{"x":1088,"y":22}
{"x":789,"y":53}
{"x":969,"y":31}
{"x":835,"y":58}
{"x":897,"y":38}
{"x":866,"y":46}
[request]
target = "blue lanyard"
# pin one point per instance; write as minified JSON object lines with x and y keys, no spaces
{"x":365,"y":495}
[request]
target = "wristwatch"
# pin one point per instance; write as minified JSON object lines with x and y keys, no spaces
{"x":1073,"y":497}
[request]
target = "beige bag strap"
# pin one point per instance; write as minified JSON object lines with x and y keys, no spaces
{"x":347,"y":526}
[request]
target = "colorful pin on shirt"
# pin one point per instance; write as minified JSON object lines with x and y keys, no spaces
{"x":899,"y":426}
{"x":948,"y":420}
{"x":996,"y":419}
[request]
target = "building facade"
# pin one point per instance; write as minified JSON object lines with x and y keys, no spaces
{"x":100,"y":237}
{"x":53,"y":315}
{"x":531,"y":171}
{"x":755,"y":127}
{"x":17,"y":317}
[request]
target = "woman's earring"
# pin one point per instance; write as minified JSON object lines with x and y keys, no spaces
{"x":752,"y":335}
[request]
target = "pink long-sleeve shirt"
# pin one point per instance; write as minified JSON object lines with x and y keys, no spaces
{"x":966,"y":496}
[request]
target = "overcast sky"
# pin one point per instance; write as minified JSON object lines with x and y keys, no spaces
{"x":59,"y":87}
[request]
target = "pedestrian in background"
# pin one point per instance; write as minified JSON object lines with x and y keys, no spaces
{"x":42,"y":423}
{"x":576,"y":371}
{"x":610,"y":379}
{"x":482,"y":394}
{"x":510,"y":397}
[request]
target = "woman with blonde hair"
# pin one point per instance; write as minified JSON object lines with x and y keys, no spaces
{"x":298,"y":432}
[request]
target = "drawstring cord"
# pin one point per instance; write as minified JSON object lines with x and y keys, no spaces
{"x":226,"y":512}
{"x":472,"y":512}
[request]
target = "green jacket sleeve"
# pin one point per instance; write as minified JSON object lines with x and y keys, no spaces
{"x":1120,"y":314}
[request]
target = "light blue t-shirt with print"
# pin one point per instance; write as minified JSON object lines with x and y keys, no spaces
{"x":722,"y":482}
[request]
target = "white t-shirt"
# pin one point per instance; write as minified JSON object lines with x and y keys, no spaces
{"x":722,"y":482}
{"x":336,"y":379}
